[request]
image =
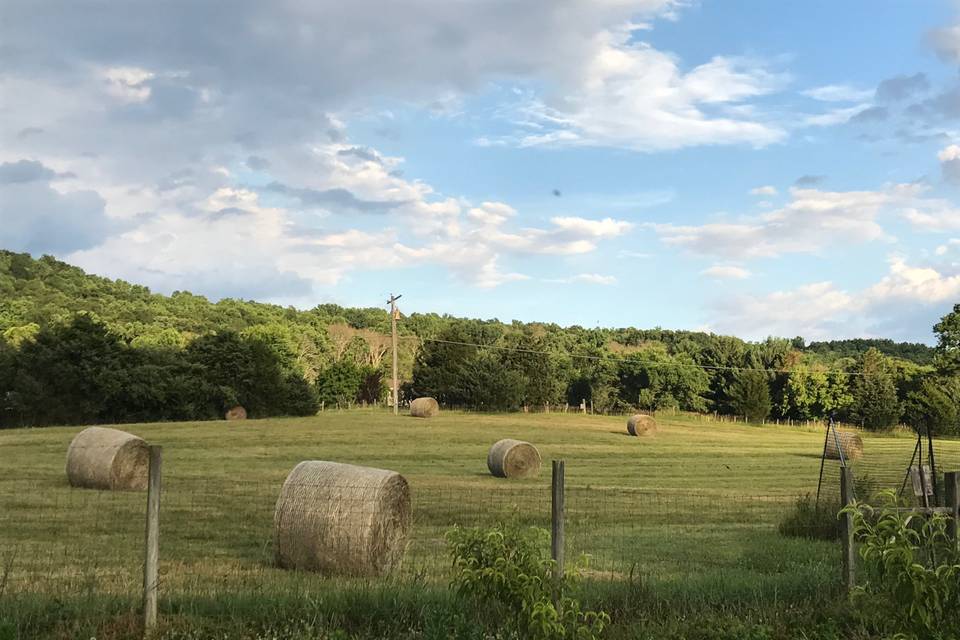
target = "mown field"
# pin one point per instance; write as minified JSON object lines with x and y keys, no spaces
{"x":688,"y":514}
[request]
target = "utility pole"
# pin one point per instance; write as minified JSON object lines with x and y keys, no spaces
{"x":394,"y":313}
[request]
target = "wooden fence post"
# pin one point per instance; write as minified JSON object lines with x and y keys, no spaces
{"x":151,"y":561}
{"x":846,"y":529}
{"x":556,"y":512}
{"x":952,"y":494}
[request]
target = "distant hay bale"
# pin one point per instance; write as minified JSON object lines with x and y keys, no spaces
{"x":641,"y":425}
{"x":513,"y":459}
{"x":424,"y":408}
{"x":341,"y":519}
{"x":850,"y":443}
{"x":235,"y":413}
{"x":101,"y":458}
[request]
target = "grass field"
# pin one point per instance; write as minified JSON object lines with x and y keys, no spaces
{"x":691,"y":512}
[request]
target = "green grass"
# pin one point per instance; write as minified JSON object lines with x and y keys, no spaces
{"x":691,"y":513}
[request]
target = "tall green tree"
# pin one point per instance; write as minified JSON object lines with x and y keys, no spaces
{"x":750,"y":395}
{"x":947,"y":331}
{"x":875,"y":404}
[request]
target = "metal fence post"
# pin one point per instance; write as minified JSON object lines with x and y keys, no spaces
{"x":846,"y":529}
{"x":152,"y":544}
{"x":556,"y":530}
{"x":952,"y":495}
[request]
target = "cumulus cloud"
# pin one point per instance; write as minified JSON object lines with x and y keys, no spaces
{"x":767,"y":190}
{"x":629,"y":94}
{"x":838,"y":93}
{"x":726,"y":272}
{"x":586,"y":278}
{"x":815,"y":311}
{"x":904,"y":304}
{"x":812,"y":220}
{"x":949,"y":158}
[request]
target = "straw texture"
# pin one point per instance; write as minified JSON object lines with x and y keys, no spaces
{"x":341,"y":519}
{"x":641,"y":425}
{"x":101,"y":458}
{"x":424,"y":408}
{"x":513,"y":459}
{"x":850,"y":443}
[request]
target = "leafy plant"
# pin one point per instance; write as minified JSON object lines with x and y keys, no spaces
{"x":911,"y":568}
{"x":506,"y":569}
{"x":807,"y":519}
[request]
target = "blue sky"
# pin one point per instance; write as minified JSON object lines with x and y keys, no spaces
{"x":753,"y":168}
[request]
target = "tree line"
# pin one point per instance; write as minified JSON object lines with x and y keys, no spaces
{"x":78,"y":348}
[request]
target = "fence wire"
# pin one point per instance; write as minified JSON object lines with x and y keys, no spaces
{"x":217,"y":536}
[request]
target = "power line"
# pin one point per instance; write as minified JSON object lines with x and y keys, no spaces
{"x":666,"y":365}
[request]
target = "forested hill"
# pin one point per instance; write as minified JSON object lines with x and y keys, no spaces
{"x":46,"y":290}
{"x":80,"y":348}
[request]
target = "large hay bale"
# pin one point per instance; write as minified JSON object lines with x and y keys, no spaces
{"x":424,"y":408}
{"x":513,"y":459}
{"x":850,"y":443}
{"x":235,"y":413}
{"x":101,"y":458}
{"x":341,"y":519}
{"x":641,"y":425}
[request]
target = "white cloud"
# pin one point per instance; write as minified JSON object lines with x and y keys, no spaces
{"x":726,"y":272}
{"x":628,"y":94}
{"x":811,"y":220}
{"x":586,"y":278}
{"x":128,"y":84}
{"x":764,"y":191}
{"x":906,"y":284}
{"x":814,"y":220}
{"x":833,"y":117}
{"x":903,"y":304}
{"x":810,"y":310}
{"x":606,"y":228}
{"x":492,"y":213}
{"x":949,"y":158}
{"x":303,"y":243}
{"x":838,"y":93}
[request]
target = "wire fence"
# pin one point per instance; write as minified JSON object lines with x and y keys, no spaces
{"x":893,"y":463}
{"x":218,"y":536}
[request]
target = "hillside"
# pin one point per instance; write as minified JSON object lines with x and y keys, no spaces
{"x":150,"y":356}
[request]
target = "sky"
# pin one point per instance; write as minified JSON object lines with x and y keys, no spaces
{"x":751,"y":168}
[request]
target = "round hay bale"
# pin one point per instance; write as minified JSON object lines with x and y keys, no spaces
{"x":235,"y":413}
{"x":850,"y":443}
{"x":641,"y":425}
{"x":513,"y":459}
{"x":101,"y":458}
{"x":341,"y":519}
{"x":424,"y":408}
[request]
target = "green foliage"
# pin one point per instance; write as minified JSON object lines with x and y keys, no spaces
{"x":653,"y":379}
{"x":750,"y":395}
{"x":834,"y":349}
{"x":340,"y":354}
{"x":935,"y":405}
{"x":875,"y":403}
{"x":506,"y":570}
{"x":807,"y":519}
{"x":910,"y":570}
{"x":948,"y":342}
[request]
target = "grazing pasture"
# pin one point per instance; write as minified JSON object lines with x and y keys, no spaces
{"x":691,"y":511}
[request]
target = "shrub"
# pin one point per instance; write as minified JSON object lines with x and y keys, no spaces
{"x":506,"y":570}
{"x":807,"y":519}
{"x":911,"y":569}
